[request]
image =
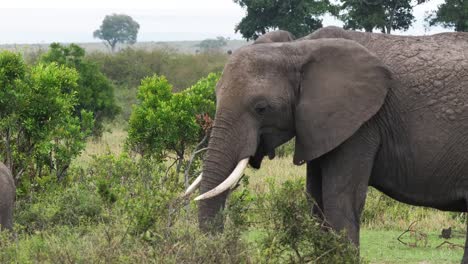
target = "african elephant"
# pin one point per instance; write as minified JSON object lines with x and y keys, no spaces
{"x":366,"y":110}
{"x":7,"y":197}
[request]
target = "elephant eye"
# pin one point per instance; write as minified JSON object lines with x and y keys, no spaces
{"x":261,"y":108}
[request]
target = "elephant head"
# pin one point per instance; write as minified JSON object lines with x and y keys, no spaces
{"x":320,"y":91}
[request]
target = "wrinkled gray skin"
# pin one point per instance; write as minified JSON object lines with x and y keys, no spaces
{"x":7,"y":197}
{"x":366,"y":109}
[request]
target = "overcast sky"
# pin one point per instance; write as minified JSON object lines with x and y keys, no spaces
{"x":45,"y":21}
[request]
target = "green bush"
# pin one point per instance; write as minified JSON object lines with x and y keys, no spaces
{"x":39,"y":133}
{"x":94,"y":92}
{"x":166,"y":124}
{"x":69,"y":206}
{"x":292,"y":235}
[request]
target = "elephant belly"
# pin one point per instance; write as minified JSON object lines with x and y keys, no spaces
{"x":428,"y":166}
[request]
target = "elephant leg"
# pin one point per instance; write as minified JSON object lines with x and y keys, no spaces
{"x":314,"y":188}
{"x":345,"y":176}
{"x":465,"y":252}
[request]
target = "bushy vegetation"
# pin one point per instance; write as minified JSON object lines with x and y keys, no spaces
{"x":124,"y":210}
{"x":129,"y":66}
{"x":165,"y":123}
{"x":40,"y":134}
{"x":292,"y":235}
{"x":95,"y":93}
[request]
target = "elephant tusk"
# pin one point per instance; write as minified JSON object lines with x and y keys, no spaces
{"x":194,"y":186}
{"x":230,"y":181}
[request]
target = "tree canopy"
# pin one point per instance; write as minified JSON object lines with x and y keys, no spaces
{"x":451,"y":14}
{"x":94,"y":92}
{"x":377,"y":14}
{"x":118,"y":28}
{"x":300,"y":17}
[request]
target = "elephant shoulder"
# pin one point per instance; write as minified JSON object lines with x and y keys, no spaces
{"x":328,"y":32}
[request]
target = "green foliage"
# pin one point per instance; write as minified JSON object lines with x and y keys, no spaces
{"x":286,"y":150}
{"x":117,"y":28}
{"x":213,"y":45}
{"x":164,"y":121}
{"x":129,"y":66}
{"x":300,"y":17}
{"x":382,"y":15}
{"x":95,"y":93}
{"x":55,"y":205}
{"x":292,"y":235}
{"x":39,"y":134}
{"x":74,"y":222}
{"x":451,"y":14}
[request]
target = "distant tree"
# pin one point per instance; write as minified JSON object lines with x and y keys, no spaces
{"x":210,"y":45}
{"x":117,"y":28}
{"x":39,"y":135}
{"x":384,"y":15}
{"x":166,"y":123}
{"x":95,"y":93}
{"x":300,"y":17}
{"x":451,"y":14}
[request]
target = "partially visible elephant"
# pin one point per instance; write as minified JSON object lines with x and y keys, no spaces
{"x":275,"y":36}
{"x":7,"y":198}
{"x":365,"y":109}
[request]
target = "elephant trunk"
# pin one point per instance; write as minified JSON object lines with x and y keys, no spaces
{"x":220,"y":160}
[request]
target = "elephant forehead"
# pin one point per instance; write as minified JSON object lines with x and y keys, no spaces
{"x":245,"y":78}
{"x":258,"y":58}
{"x":244,"y":84}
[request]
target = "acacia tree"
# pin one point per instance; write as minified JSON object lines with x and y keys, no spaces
{"x":95,"y":93}
{"x":38,"y":131}
{"x":384,"y":15}
{"x":166,"y":123}
{"x":117,"y":28}
{"x":300,"y":17}
{"x":451,"y":14}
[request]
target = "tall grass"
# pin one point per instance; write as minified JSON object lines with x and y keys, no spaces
{"x":129,"y":66}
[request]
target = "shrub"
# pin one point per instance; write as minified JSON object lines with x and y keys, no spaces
{"x":69,"y":206}
{"x":94,"y":92}
{"x":165,"y":122}
{"x":38,"y":132}
{"x":292,"y":235}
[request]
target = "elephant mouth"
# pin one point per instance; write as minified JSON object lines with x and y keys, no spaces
{"x":263,"y":150}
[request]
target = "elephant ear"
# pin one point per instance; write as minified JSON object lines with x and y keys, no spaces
{"x":342,"y":85}
{"x":275,"y":36}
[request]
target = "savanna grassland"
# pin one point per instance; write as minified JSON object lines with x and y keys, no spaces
{"x":116,"y":205}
